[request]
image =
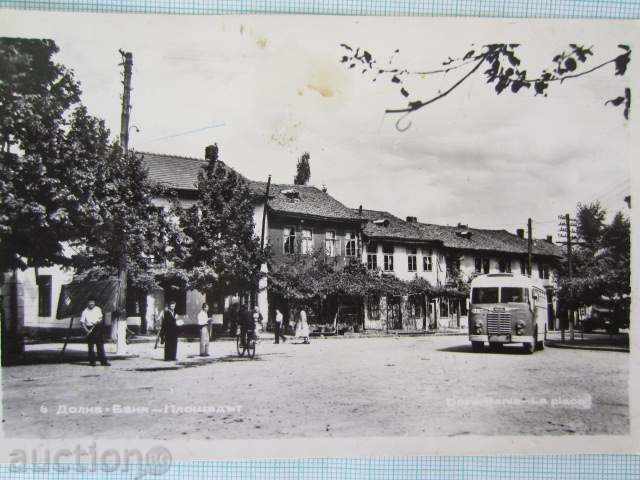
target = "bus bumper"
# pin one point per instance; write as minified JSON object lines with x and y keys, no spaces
{"x":514,"y":339}
{"x":478,"y":338}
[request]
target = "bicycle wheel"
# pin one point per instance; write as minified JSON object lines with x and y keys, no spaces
{"x":239,"y":347}
{"x":251,"y":349}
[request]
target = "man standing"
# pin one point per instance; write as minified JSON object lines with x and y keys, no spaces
{"x":278,"y":327}
{"x":92,"y":323}
{"x":204,"y":323}
{"x":247,"y":325}
{"x":169,"y":332}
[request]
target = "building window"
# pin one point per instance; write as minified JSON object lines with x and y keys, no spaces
{"x":444,"y":307}
{"x":330,"y":243}
{"x":483,"y":264}
{"x":307,"y":242}
{"x":351,"y":248}
{"x":372,"y":257}
{"x":387,"y":251}
{"x":486,"y":264}
{"x":373,"y":307}
{"x":289,"y":237}
{"x":524,"y":266}
{"x":416,"y":306}
{"x":44,"y":295}
{"x":412,"y":259}
{"x":504,"y":265}
{"x":543,"y":271}
{"x":453,"y":266}
{"x":427,"y":261}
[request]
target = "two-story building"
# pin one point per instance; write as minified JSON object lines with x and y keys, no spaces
{"x":443,"y":255}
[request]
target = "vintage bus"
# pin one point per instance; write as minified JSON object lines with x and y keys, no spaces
{"x":507,"y":308}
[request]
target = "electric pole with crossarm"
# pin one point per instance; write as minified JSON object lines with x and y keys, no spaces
{"x":119,"y":327}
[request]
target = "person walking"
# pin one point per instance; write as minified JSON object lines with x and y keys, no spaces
{"x":278,"y":327}
{"x":257,"y":319}
{"x":204,"y":321}
{"x":92,"y":322}
{"x":169,"y":332}
{"x":302,"y":329}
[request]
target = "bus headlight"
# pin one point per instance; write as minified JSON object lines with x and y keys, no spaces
{"x":478,"y":327}
{"x":519,"y":327}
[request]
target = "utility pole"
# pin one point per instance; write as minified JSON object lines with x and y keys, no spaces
{"x":529,"y":248}
{"x":567,"y":220}
{"x":264,"y":212}
{"x":119,"y":327}
{"x":566,"y":225}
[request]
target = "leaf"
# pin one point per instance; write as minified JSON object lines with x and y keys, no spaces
{"x":570,"y":64}
{"x":621,"y":63}
{"x":344,"y":45}
{"x":540,"y":86}
{"x":404,"y":92}
{"x":367,"y":57}
{"x":469,"y":54}
{"x":513,"y":60}
{"x":624,"y":47}
{"x":395,"y":79}
{"x":344,"y":59}
{"x":616,"y":102}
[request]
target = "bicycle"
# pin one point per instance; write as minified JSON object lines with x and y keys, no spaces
{"x":248,"y":347}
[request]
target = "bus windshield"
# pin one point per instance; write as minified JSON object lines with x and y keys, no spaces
{"x":511,"y":295}
{"x":484,"y":295}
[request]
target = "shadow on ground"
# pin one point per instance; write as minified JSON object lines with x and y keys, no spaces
{"x":504,"y":350}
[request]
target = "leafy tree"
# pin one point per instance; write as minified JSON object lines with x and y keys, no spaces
{"x":221,"y":250}
{"x":67,"y":184}
{"x":601,"y":259}
{"x":49,"y":145}
{"x":500,"y":65}
{"x":591,"y":218}
{"x":303,"y":170}
{"x":125,"y":223}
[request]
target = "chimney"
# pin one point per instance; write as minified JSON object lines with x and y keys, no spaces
{"x":550,"y":238}
{"x":324,"y":189}
{"x":520,"y":232}
{"x":360,"y":210}
{"x":462,"y":225}
{"x":412,"y":219}
{"x":211,"y":152}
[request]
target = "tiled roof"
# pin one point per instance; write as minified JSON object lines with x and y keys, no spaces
{"x":393,"y":229}
{"x":181,"y":172}
{"x":308,"y":201}
{"x":458,"y":237}
{"x":464,"y":238}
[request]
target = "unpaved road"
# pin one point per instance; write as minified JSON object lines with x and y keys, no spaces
{"x":333,"y":387}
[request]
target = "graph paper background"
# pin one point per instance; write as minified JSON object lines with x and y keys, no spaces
{"x":570,"y":467}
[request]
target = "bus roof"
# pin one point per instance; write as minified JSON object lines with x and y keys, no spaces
{"x":503,"y":280}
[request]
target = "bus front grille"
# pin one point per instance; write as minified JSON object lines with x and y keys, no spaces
{"x":498,"y":323}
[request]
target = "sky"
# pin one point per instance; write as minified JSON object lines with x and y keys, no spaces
{"x":267,"y":89}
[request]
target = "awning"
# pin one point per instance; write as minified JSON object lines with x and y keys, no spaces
{"x":75,"y":295}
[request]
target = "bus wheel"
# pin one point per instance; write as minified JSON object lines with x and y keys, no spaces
{"x":541,"y":342}
{"x":530,"y":347}
{"x":477,"y":346}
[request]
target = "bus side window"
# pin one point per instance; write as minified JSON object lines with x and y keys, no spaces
{"x":526,"y":296}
